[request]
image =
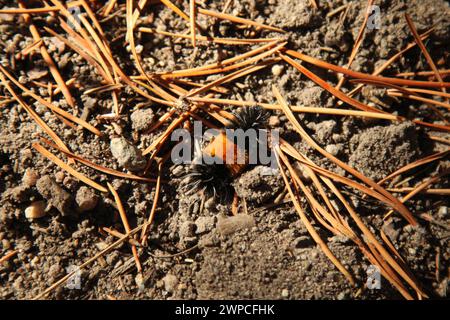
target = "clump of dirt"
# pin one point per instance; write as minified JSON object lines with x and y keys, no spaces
{"x":259,"y":185}
{"x":381,"y":150}
{"x":55,"y":195}
{"x":290,"y":15}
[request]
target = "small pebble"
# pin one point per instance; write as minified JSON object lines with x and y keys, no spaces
{"x":204,"y":224}
{"x":35,"y":210}
{"x":86,"y":199}
{"x":142,"y":119}
{"x":101,"y":245}
{"x":285,"y":293}
{"x":342,"y":296}
{"x":139,"y":280}
{"x":274,"y":121}
{"x":170,"y":282}
{"x":59,"y":176}
{"x":232,"y":224}
{"x":30,"y":177}
{"x":54,"y":270}
{"x":6,"y":244}
{"x":127,"y":155}
{"x":139,"y":48}
{"x":277,"y":70}
{"x":333,"y":149}
{"x":443,"y":212}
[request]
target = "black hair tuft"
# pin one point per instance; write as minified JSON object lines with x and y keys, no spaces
{"x":250,"y":118}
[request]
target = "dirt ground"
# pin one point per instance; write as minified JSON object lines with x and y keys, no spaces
{"x":266,"y":255}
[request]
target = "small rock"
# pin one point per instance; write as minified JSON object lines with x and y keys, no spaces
{"x":6,"y":244}
{"x":342,"y":296}
{"x":54,"y":270}
{"x":86,"y":199}
{"x":127,"y":155}
{"x":57,"y":44}
{"x":4,"y":17}
{"x":29,"y":178}
{"x":59,"y":176}
{"x":210,"y":240}
{"x":35,"y":74}
{"x":139,"y":280}
{"x":259,"y":185}
{"x":139,"y":48}
{"x":274,"y":121}
{"x":443,"y":212}
{"x":285,"y":293}
{"x":170,"y":283}
{"x":333,"y":149}
{"x":55,"y":195}
{"x":35,"y":210}
{"x":101,"y":245}
{"x":142,"y":119}
{"x":277,"y":70}
{"x":232,"y":224}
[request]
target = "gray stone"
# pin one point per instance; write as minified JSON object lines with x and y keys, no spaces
{"x":127,"y":155}
{"x":235,"y":223}
{"x":170,"y":283}
{"x":86,"y":199}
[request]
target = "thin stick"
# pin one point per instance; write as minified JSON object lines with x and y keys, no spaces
{"x":445,"y":72}
{"x":360,"y":75}
{"x":315,"y":110}
{"x":358,"y":42}
{"x":8,"y":256}
{"x":438,"y":191}
{"x":424,"y":49}
{"x":154,"y":205}
{"x":192,"y":21}
{"x":125,"y":223}
{"x":39,"y":148}
{"x":230,"y":41}
{"x":225,"y":16}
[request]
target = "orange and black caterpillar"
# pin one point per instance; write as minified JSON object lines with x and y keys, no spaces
{"x":214,"y":180}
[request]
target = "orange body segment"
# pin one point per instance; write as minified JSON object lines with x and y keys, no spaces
{"x":235,"y":158}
